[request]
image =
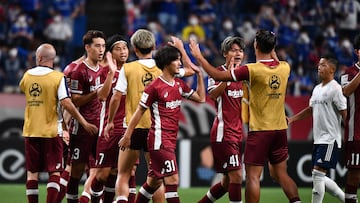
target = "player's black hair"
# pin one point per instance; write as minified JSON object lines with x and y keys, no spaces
{"x":265,"y":40}
{"x":330,"y":58}
{"x":165,"y":55}
{"x":111,"y":41}
{"x":357,"y":42}
{"x":91,"y":34}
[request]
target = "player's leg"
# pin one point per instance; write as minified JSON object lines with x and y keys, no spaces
{"x":334,"y":189}
{"x":216,"y":191}
{"x":109,"y":186}
{"x":171,"y":185}
{"x":97,"y":184}
{"x":77,"y":170}
{"x":148,"y":189}
{"x":252,"y":188}
{"x":132,"y":184}
{"x":324,"y":157}
{"x":52,"y":155}
{"x":32,"y":188}
{"x":352,"y":152}
{"x":278,"y":165}
{"x":159,"y":195}
{"x":64,"y":179}
{"x":126,"y":161}
{"x":279,"y":173}
{"x":352,"y":183}
{"x":234,"y":189}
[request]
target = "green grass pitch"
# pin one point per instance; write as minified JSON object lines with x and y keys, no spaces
{"x":15,"y":193}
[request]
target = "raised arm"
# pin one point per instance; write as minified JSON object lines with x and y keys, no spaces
{"x":349,"y":88}
{"x":211,"y":70}
{"x":189,"y":67}
{"x":103,"y":92}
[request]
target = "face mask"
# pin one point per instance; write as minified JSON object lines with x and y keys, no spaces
{"x":228,"y":25}
{"x":152,"y":26}
{"x":193,"y":21}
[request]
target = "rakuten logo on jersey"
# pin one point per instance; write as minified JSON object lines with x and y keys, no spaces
{"x":235,"y":93}
{"x":173,"y":104}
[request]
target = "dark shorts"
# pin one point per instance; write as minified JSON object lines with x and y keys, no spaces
{"x":107,"y":151}
{"x":263,"y":146}
{"x":352,"y":154}
{"x":227,"y":156}
{"x":162,"y":163}
{"x":43,"y":154}
{"x":325,"y":155}
{"x":139,"y":139}
{"x":83,"y":149}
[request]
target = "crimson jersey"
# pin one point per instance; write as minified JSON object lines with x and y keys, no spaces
{"x":119,"y":122}
{"x":164,"y":100}
{"x":352,"y":127}
{"x":84,"y":80}
{"x":227,"y":125}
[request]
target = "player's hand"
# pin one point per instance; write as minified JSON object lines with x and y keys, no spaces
{"x":91,"y":128}
{"x":176,"y":42}
{"x":124,"y":143}
{"x":66,"y":137}
{"x":111,"y":62}
{"x":195,"y":68}
{"x":288,"y":120}
{"x":108,"y":130}
{"x":231,"y":64}
{"x":194,"y":48}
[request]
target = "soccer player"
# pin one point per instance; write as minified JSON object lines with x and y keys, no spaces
{"x":350,"y":81}
{"x":163,"y":97}
{"x":107,"y":147}
{"x":327,"y":105}
{"x":65,"y":174}
{"x":44,"y":88}
{"x":86,"y":93}
{"x":267,"y":121}
{"x":226,"y":132}
{"x":133,"y":78}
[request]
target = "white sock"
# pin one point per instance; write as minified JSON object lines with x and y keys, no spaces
{"x":318,"y":190}
{"x":334,"y":189}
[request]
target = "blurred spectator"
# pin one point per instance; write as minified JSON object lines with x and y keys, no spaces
{"x":348,"y":11}
{"x":227,"y":29}
{"x":300,"y":83}
{"x":157,"y":29}
{"x":135,"y":17}
{"x":13,"y":67}
{"x":207,"y":16}
{"x":3,"y":20}
{"x":69,"y":9}
{"x":266,"y":19}
{"x":193,"y":27}
{"x":168,"y":14}
{"x":247,"y":31}
{"x":21,"y":33}
{"x":59,"y":34}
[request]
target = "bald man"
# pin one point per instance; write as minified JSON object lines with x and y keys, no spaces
{"x":45,"y":89}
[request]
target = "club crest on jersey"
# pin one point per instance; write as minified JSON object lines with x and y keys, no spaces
{"x":274,"y":82}
{"x":166,"y":94}
{"x":147,"y":79}
{"x":180,"y":90}
{"x":35,"y":90}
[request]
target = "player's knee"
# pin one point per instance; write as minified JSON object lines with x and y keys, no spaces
{"x":235,"y":176}
{"x":172,"y":180}
{"x":318,"y":182}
